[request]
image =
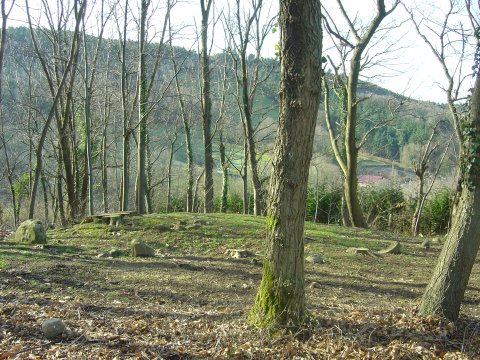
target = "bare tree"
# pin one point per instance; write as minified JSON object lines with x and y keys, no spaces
{"x":245,"y":31}
{"x":439,"y":37}
{"x":446,"y":289}
{"x":206,"y":101}
{"x":347,"y":87}
{"x":420,"y":169}
{"x":90,"y":70}
{"x":145,"y":85}
{"x":56,"y":91}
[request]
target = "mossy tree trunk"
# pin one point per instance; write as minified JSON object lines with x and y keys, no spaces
{"x":280,"y":299}
{"x":445,"y":292}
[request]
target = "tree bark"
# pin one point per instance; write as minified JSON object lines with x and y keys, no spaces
{"x":446,"y":289}
{"x":188,"y":136}
{"x":419,"y":206}
{"x":224,"y":163}
{"x":280,"y":299}
{"x":206,"y":107}
{"x":142,"y":111}
{"x":245,"y":178}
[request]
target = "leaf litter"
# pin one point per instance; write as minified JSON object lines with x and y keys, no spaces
{"x":193,"y":305}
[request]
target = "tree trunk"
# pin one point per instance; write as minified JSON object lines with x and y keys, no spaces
{"x":418,"y":208}
{"x":53,"y":109}
{"x":245,"y":178}
{"x":169,"y":175}
{"x":224,"y":163}
{"x":88,"y":138}
{"x":188,"y":136}
{"x":104,"y":166}
{"x":61,"y":207}
{"x":280,"y":299}
{"x":125,"y":191}
{"x":142,"y":111}
{"x":446,"y":289}
{"x":45,"y":199}
{"x":250,"y":139}
{"x":206,"y":107}
{"x":149,"y":187}
{"x":352,"y":203}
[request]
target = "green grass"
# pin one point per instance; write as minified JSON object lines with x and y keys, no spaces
{"x":3,"y":261}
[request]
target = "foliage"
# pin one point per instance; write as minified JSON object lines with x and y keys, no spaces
{"x":436,"y":213}
{"x":324,"y":204}
{"x":380,"y":203}
{"x":234,"y":203}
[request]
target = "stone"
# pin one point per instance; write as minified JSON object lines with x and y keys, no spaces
{"x":178,"y":227}
{"x":314,"y":285}
{"x":426,"y":244}
{"x":31,"y":231}
{"x":315,"y":259}
{"x":362,"y":251}
{"x":53,"y":327}
{"x":162,"y":227}
{"x":140,"y":249}
{"x":239,"y":253}
{"x":395,"y":248}
{"x":87,"y":220}
{"x":116,"y":220}
{"x":308,"y":239}
{"x":115,"y":253}
{"x":436,"y":240}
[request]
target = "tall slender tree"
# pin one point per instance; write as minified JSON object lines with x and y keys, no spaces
{"x":205,"y":6}
{"x":56,"y":92}
{"x":145,"y":85}
{"x":245,"y":30}
{"x":280,"y":299}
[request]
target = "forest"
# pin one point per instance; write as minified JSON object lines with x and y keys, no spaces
{"x":173,"y":201}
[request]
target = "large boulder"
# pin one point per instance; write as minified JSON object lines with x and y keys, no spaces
{"x":53,"y":327}
{"x":31,"y":231}
{"x":140,"y":249}
{"x":315,"y":259}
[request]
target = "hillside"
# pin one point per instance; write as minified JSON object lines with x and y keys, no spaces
{"x":191,"y":301}
{"x":27,"y":100}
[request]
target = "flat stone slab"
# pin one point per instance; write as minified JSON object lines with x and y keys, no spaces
{"x":240,"y":253}
{"x":362,"y":251}
{"x":395,"y":248}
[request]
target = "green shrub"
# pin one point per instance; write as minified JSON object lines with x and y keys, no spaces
{"x":324,"y":204}
{"x":436,"y":212}
{"x":234,"y":203}
{"x":381,"y":204}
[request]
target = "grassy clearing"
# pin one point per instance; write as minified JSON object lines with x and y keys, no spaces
{"x":191,"y":301}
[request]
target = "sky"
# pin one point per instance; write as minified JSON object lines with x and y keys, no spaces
{"x":409,"y":66}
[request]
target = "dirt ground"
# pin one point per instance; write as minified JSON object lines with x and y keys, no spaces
{"x":192,"y":300}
